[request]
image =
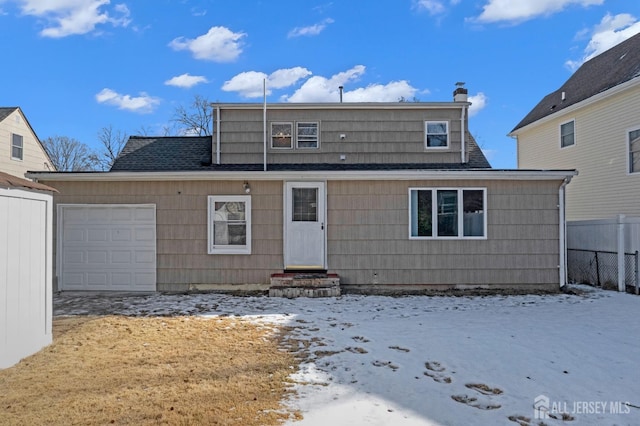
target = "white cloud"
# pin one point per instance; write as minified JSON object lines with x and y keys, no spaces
{"x":219,"y":44}
{"x":70,"y":17}
{"x":478,"y":102}
{"x":317,"y":88}
{"x":322,"y":89}
{"x":186,"y":80}
{"x":311,"y":30}
{"x":523,"y":10}
{"x":434,"y":7}
{"x":610,"y":31}
{"x":249,"y":84}
{"x":142,"y":104}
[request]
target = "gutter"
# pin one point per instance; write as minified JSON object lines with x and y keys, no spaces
{"x":469,"y":174}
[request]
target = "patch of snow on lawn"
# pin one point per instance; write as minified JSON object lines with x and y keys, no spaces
{"x":442,"y":360}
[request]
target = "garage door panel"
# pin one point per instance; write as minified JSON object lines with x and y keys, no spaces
{"x":96,"y":258}
{"x":108,"y":247}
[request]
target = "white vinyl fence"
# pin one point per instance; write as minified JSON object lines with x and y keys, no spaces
{"x":606,"y":250}
{"x":25,"y":273}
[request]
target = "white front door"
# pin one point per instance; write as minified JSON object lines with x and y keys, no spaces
{"x":304,"y":230}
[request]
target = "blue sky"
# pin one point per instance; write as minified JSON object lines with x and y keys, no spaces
{"x":77,"y":66}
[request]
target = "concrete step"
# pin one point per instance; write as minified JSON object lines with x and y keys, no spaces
{"x":304,"y":285}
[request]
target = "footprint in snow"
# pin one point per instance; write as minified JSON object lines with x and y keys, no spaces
{"x":435,"y":370}
{"x":356,"y":350}
{"x":360,"y":339}
{"x":398,"y":348}
{"x":484,"y":389}
{"x":473,"y":402}
{"x":385,"y":364}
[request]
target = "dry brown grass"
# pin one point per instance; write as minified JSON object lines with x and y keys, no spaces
{"x":149,"y":371}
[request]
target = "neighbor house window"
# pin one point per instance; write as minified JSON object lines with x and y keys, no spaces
{"x":567,"y":134}
{"x":436,"y":134}
{"x":306,"y":134}
{"x":447,"y":213}
{"x":17,"y":147}
{"x":634,"y":151}
{"x":230,"y":224}
{"x":281,"y":135}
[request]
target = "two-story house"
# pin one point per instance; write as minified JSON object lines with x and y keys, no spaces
{"x":20,"y":148}
{"x":384,"y":197}
{"x":592,"y":124}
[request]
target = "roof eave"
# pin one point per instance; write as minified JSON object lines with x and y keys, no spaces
{"x":584,"y":103}
{"x":491,"y":174}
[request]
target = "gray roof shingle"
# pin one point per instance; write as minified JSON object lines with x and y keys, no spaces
{"x":5,"y":111}
{"x":193,"y":153}
{"x":616,"y":66}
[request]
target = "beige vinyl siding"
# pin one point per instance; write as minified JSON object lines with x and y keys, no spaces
{"x":367,"y":235}
{"x":368,"y":238}
{"x":603,"y":188}
{"x":33,"y":158}
{"x":384,"y":136}
{"x":181,"y":221}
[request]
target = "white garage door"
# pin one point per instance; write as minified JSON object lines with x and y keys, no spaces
{"x":107,"y":247}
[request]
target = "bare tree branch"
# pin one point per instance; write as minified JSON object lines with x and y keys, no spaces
{"x":112,"y":143}
{"x":196,"y":119}
{"x":70,"y":155}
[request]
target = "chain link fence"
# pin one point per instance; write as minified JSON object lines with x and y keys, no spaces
{"x":600,"y":268}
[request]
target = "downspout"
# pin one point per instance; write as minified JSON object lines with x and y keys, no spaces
{"x":218,"y":135}
{"x":264,"y":125}
{"x":563,"y":232}
{"x":463,"y":148}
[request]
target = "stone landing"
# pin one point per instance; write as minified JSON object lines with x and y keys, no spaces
{"x":304,"y":285}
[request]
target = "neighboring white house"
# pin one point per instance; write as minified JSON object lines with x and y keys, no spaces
{"x":26,"y":212}
{"x":20,"y":148}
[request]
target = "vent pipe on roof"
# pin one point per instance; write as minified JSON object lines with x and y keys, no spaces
{"x":341,"y":89}
{"x":564,"y":96}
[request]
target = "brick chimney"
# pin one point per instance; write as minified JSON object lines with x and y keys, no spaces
{"x":460,"y":94}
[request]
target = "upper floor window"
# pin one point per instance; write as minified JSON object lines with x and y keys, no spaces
{"x":436,"y":134}
{"x":447,"y":213}
{"x":17,"y":147}
{"x":282,"y":135}
{"x":229,"y":224}
{"x":567,"y":134}
{"x":634,"y":150}
{"x":307,"y":134}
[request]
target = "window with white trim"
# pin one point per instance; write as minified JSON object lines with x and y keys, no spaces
{"x":436,"y":134}
{"x":17,"y":147}
{"x":307,"y":134}
{"x":633,"y":136}
{"x":447,"y":213}
{"x":567,"y":134}
{"x":281,"y":135}
{"x":229,"y":224}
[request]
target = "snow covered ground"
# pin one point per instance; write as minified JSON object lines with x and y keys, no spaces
{"x":441,"y":360}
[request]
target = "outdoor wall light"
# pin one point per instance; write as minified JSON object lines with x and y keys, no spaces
{"x":246,"y":187}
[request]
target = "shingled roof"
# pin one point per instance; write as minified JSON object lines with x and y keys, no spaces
{"x":616,"y":66}
{"x":5,"y":111}
{"x":193,"y":153}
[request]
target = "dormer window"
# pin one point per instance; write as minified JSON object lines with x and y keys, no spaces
{"x":17,"y":147}
{"x":281,"y":135}
{"x":436,"y":134}
{"x":306,"y":134}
